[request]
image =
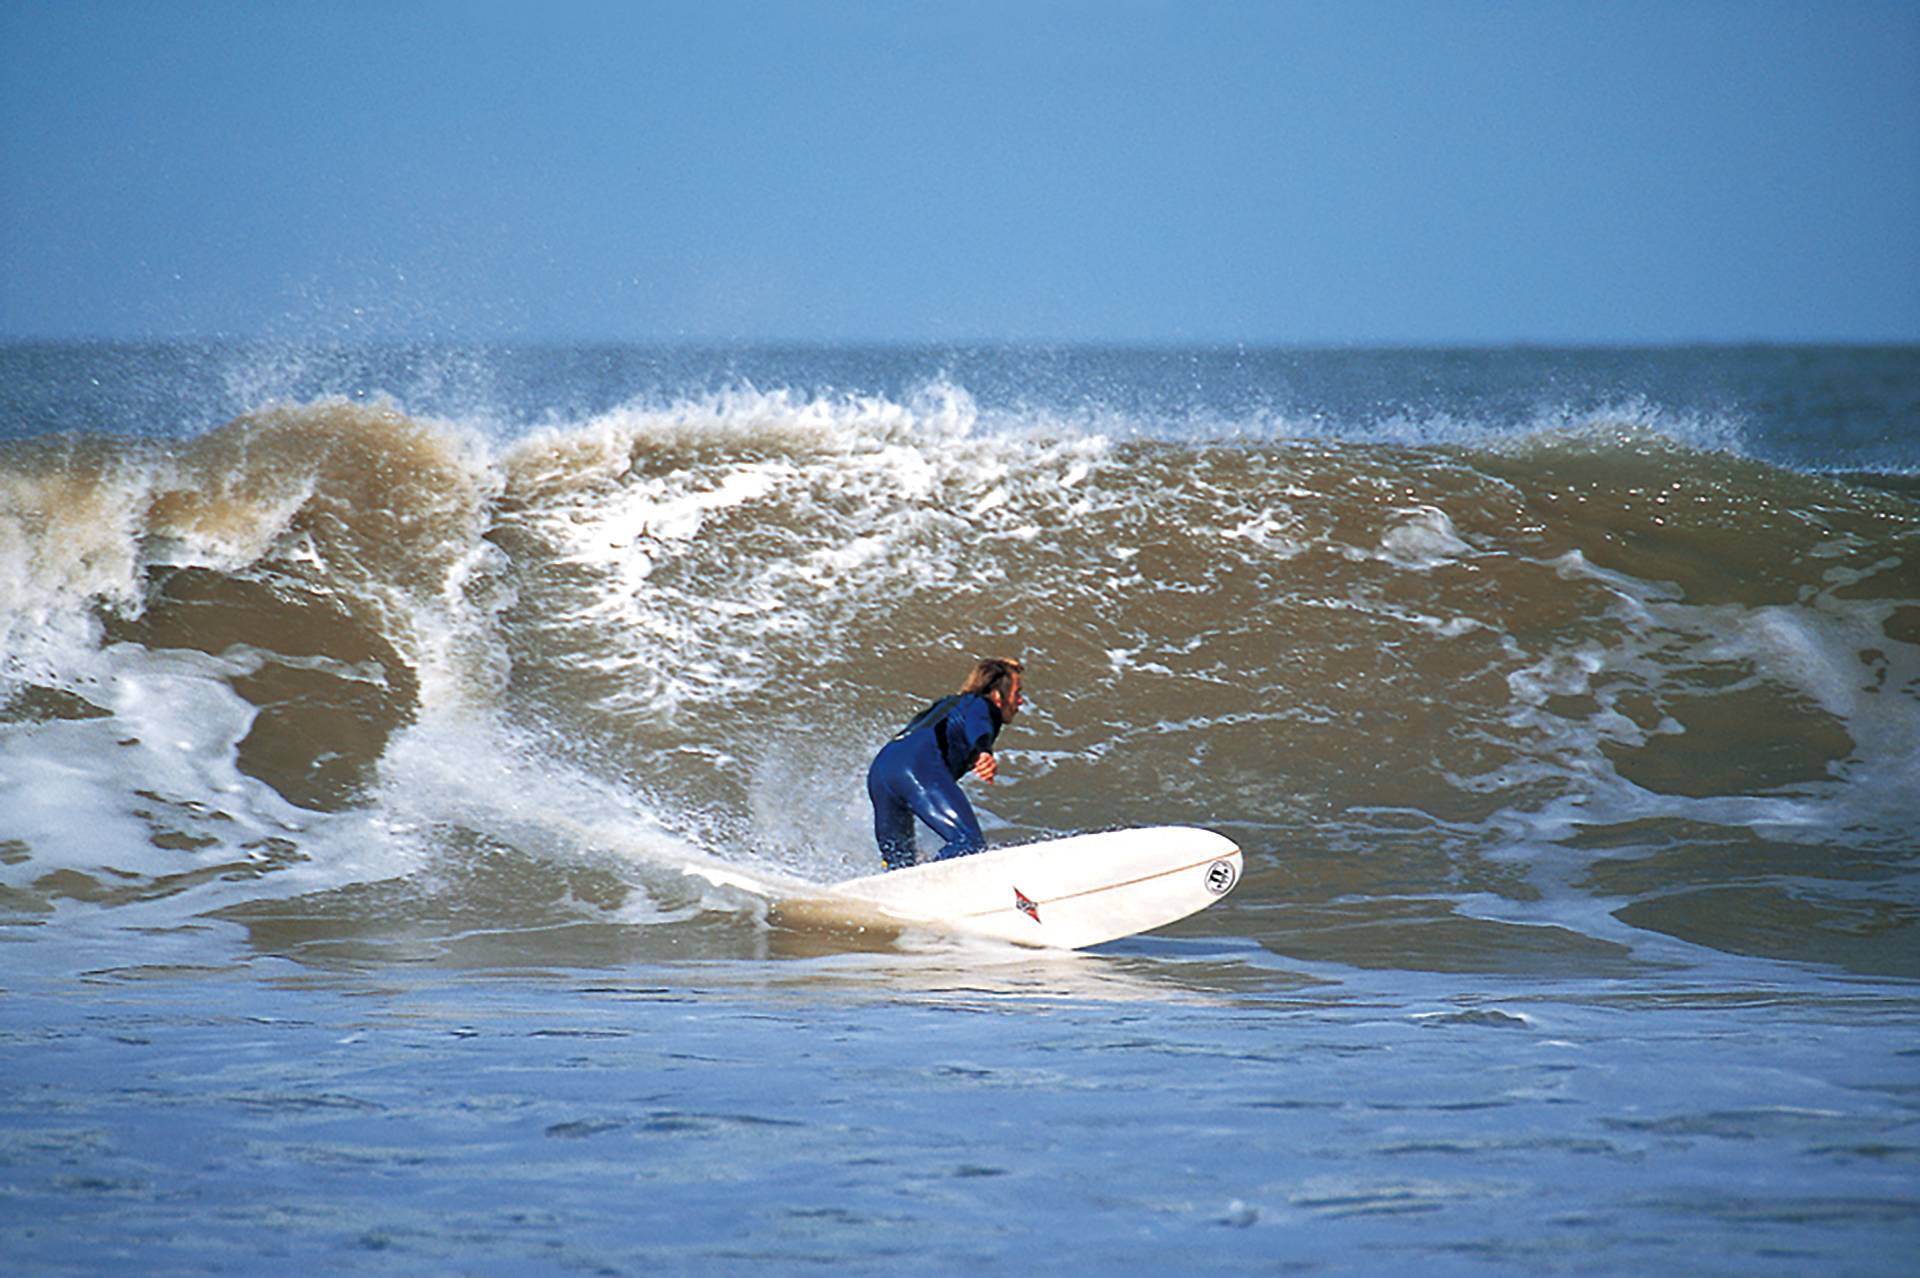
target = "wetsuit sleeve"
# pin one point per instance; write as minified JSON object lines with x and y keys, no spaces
{"x":970,"y":731}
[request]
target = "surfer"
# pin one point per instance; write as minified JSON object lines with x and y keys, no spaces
{"x":917,"y":774}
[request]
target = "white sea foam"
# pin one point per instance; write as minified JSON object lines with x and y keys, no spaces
{"x":154,"y":793}
{"x":479,"y":774}
{"x":699,"y":524}
{"x":1833,"y":654}
{"x":1423,"y":540}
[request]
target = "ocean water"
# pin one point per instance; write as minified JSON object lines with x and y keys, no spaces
{"x":361,"y":708}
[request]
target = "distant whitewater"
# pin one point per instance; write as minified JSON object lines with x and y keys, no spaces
{"x":1569,"y":661}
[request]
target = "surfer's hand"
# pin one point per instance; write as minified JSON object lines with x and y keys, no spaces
{"x":984,"y":767}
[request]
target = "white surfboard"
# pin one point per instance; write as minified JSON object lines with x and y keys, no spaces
{"x":1062,"y":893}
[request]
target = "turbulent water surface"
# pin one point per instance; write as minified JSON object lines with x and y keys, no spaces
{"x":360,"y":709}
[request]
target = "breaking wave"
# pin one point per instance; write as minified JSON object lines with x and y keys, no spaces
{"x":1606,"y":689}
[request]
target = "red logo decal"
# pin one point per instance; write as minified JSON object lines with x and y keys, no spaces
{"x":1027,"y":907}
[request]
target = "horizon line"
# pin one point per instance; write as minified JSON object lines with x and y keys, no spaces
{"x":711,"y":342}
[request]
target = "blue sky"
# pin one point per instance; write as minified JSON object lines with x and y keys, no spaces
{"x":1128,"y":171}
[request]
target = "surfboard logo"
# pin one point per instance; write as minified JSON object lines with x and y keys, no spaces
{"x":1026,"y":905}
{"x":1220,"y":877}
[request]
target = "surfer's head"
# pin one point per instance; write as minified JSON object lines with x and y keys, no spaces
{"x":998,"y":680}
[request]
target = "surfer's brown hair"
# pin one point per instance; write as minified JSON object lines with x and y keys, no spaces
{"x":992,"y":674}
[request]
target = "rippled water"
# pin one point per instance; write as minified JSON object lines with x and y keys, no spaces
{"x":1159,"y":1110}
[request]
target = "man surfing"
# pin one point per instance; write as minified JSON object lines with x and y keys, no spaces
{"x":917,"y":774}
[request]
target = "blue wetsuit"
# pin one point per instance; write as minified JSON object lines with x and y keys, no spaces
{"x":918,"y":774}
